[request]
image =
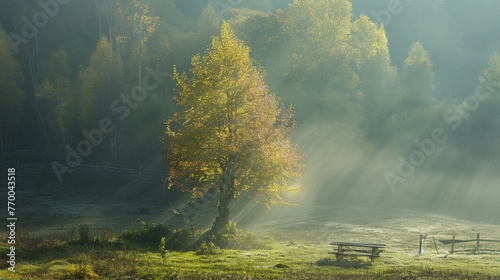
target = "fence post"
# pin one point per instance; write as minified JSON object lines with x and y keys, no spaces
{"x":477,"y":245}
{"x":435,"y":246}
{"x":420,"y":247}
{"x":452,"y":244}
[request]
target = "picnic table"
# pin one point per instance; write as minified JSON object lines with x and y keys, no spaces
{"x":371,"y":251}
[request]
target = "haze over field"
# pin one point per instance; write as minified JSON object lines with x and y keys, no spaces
{"x":237,"y":139}
{"x":397,"y":102}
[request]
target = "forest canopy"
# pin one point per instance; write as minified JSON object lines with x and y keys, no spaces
{"x":366,"y":93}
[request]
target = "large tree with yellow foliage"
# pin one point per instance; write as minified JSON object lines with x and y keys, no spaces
{"x":231,"y":134}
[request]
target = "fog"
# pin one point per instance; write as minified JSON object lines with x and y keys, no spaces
{"x":399,"y":109}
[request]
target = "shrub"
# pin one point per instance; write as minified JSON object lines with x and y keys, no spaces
{"x":84,"y":234}
{"x":80,"y":272}
{"x":208,"y":248}
{"x":162,"y":248}
{"x":149,"y":234}
{"x":180,"y":239}
{"x":80,"y":269}
{"x":232,"y":237}
{"x":146,"y":233}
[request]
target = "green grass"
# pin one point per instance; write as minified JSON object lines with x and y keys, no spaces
{"x":300,"y":261}
{"x":292,"y":244}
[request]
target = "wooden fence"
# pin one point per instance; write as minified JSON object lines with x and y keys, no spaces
{"x":39,"y":171}
{"x":476,"y":249}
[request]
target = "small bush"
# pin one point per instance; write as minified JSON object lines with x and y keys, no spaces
{"x":81,"y":272}
{"x":80,"y":269}
{"x":162,"y":249}
{"x":84,"y":234}
{"x":146,"y":233}
{"x":208,"y":248}
{"x":106,"y":236}
{"x":180,"y":240}
{"x":233,"y":237}
{"x":149,"y":233}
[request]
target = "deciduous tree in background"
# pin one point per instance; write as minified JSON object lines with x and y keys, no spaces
{"x":320,"y":36}
{"x":320,"y":52}
{"x":11,"y":93}
{"x":208,"y":22}
{"x":417,"y":78}
{"x":100,"y":87}
{"x":59,"y":106}
{"x":481,"y":118}
{"x":232,"y":134}
{"x":415,"y":105}
{"x":377,"y":79}
{"x":143,"y":26}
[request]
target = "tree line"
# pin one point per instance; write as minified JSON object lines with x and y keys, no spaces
{"x":333,"y":68}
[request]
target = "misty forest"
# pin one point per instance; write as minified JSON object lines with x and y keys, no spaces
{"x":250,"y":139}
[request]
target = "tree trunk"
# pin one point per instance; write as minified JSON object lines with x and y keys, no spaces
{"x":226,"y":192}
{"x":223,"y":218}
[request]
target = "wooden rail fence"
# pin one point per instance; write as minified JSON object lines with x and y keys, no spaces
{"x":477,"y":248}
{"x":40,"y":171}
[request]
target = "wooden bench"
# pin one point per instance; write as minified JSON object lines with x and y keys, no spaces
{"x":371,"y":251}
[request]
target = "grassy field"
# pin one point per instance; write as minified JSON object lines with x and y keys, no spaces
{"x":288,"y":243}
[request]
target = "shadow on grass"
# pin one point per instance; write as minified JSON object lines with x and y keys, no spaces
{"x":354,"y":263}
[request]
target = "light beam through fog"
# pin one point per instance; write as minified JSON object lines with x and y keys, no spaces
{"x":266,"y":139}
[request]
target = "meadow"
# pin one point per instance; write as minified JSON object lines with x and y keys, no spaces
{"x":289,"y":242}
